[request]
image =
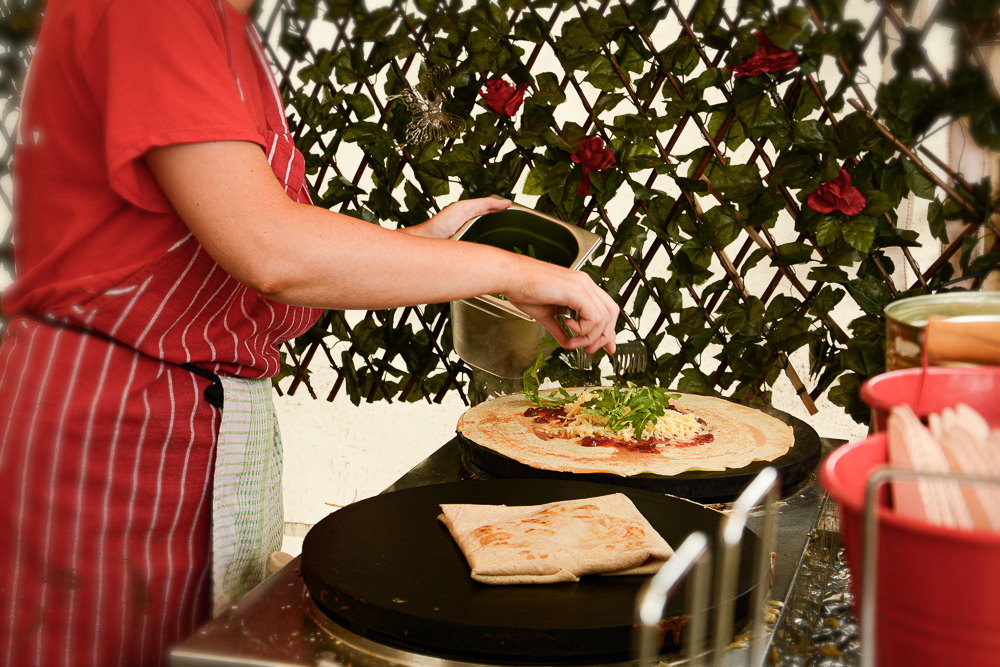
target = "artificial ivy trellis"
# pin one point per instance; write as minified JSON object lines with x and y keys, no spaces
{"x":767,"y":139}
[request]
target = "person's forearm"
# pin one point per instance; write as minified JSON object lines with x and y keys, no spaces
{"x":324,"y":259}
{"x":306,"y":255}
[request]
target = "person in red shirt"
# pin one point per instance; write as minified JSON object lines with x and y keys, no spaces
{"x":165,"y":247}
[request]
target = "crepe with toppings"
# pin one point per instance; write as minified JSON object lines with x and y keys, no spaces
{"x":732,"y":437}
{"x":554,"y":542}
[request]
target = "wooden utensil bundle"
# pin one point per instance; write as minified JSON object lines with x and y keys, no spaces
{"x":956,"y":441}
{"x":963,"y":340}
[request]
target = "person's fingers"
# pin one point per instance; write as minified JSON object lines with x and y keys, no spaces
{"x":602,"y":327}
{"x":489,"y":204}
{"x":601,"y":315}
{"x":470,"y":208}
{"x":594,"y":323}
{"x":562,"y":328}
{"x":593,"y":335}
{"x":552,"y":292}
{"x":606,"y":341}
{"x":447,"y":221}
{"x":554,"y":327}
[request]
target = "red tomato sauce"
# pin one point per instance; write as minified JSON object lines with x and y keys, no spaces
{"x":646,"y":445}
{"x":546,"y":415}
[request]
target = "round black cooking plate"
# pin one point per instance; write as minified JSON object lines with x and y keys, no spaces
{"x":387,"y":569}
{"x":704,"y":486}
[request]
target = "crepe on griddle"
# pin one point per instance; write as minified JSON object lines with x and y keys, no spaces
{"x":741,"y":435}
{"x":555,"y":542}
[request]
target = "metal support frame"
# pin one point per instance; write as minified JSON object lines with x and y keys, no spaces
{"x":694,"y":555}
{"x":764,"y":488}
{"x":869,"y":547}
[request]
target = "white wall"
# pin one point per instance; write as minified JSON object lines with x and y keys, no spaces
{"x":337,"y":453}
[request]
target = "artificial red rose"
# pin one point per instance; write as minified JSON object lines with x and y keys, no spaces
{"x":503,"y":98}
{"x":594,"y":157}
{"x":767,"y":58}
{"x":837,"y":194}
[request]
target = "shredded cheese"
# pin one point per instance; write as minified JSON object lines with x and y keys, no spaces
{"x":672,"y":425}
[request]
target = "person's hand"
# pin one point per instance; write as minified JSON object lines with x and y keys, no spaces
{"x":545,"y":291}
{"x":451,"y":217}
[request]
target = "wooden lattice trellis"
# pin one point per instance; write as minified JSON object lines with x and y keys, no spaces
{"x":710,"y":247}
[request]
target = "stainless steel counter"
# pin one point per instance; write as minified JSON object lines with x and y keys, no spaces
{"x":276,"y":624}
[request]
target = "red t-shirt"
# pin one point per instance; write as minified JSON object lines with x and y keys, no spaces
{"x":106,"y":84}
{"x":98,"y":96}
{"x":106,"y":444}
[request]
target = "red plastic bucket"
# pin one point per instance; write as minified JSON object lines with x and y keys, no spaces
{"x":932,"y":389}
{"x":938,"y":593}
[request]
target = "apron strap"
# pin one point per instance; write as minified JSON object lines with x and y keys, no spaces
{"x":275,"y":112}
{"x":213,"y":392}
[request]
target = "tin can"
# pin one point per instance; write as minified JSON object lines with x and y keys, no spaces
{"x":905,"y":321}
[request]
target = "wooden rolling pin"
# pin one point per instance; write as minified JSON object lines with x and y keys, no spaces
{"x":964,"y":341}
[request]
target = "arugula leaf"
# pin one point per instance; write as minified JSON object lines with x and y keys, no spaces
{"x":630,"y":405}
{"x":621,"y":405}
{"x":531,"y":383}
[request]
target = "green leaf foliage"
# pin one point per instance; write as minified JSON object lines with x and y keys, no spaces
{"x":707,"y":237}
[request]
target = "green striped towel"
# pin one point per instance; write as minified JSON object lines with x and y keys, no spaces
{"x":246,"y":505}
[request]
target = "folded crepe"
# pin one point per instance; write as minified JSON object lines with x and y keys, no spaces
{"x":559,"y":541}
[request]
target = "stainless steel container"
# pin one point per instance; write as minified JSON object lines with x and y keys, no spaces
{"x":906,"y":319}
{"x":489,"y":332}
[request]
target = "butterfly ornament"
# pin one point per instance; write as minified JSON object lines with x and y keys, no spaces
{"x":430,"y":122}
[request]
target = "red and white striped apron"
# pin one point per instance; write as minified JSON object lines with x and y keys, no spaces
{"x":107,"y":448}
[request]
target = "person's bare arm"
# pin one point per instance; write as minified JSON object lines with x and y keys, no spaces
{"x":228,"y":197}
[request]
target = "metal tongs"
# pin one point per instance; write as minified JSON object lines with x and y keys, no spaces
{"x":629,"y":357}
{"x":694,"y":556}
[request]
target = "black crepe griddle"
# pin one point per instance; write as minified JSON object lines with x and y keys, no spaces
{"x":386,"y":568}
{"x":703,"y":486}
